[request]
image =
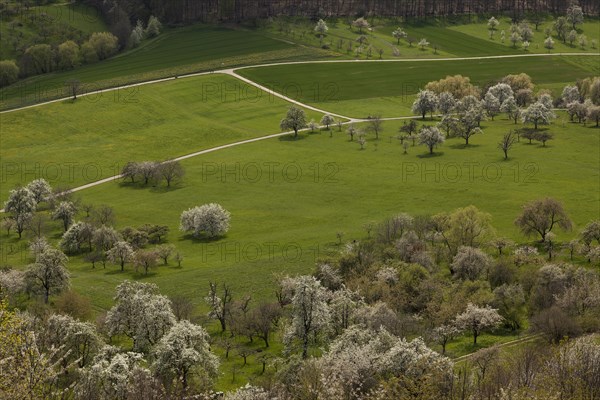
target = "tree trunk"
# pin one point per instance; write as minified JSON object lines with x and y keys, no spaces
{"x":305,"y":346}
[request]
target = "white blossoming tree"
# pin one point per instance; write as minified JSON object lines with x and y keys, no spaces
{"x":40,"y":189}
{"x":21,"y":204}
{"x":210,"y":219}
{"x":310,"y":312}
{"x":77,"y":340}
{"x":431,"y":137}
{"x":477,"y":319}
{"x":140,"y":313}
{"x":426,"y":102}
{"x":49,"y":274}
{"x":183,"y":349}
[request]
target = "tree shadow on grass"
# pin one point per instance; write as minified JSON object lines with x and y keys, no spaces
{"x":134,"y":185}
{"x":165,"y":188}
{"x":464,"y":146}
{"x":434,"y":155}
{"x":202,"y":238}
{"x":117,"y":271}
{"x":139,"y":276}
{"x":291,"y":138}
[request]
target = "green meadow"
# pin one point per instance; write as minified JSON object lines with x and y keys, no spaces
{"x":73,"y":143}
{"x":191,"y":49}
{"x":289,"y":198}
{"x":388,"y":88}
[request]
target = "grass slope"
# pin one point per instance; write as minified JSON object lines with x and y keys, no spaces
{"x":72,"y":143}
{"x":289,"y":198}
{"x":388,"y":88}
{"x":479,"y":30}
{"x":192,"y":49}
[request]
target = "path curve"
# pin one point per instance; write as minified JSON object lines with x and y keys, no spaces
{"x":297,"y":63}
{"x":525,"y":339}
{"x":231,"y":72}
{"x":222,"y":147}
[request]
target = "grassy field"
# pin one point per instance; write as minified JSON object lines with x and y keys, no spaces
{"x":288,"y":192}
{"x":479,"y":30}
{"x":459,"y":38}
{"x":175,"y":52}
{"x":72,"y":143}
{"x":388,"y":88}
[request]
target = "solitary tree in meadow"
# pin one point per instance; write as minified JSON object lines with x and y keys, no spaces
{"x":295,"y":120}
{"x":211,"y":219}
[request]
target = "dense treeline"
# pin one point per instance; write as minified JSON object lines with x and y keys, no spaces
{"x":178,"y":11}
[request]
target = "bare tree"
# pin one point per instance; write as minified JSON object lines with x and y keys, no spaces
{"x":375,"y":125}
{"x":540,"y":217}
{"x":171,"y":171}
{"x":220,"y":307}
{"x":508,"y":140}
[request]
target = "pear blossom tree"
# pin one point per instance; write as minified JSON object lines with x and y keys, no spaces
{"x":140,"y":313}
{"x":310,"y":314}
{"x":478,"y":319}
{"x":211,"y":219}
{"x":183,"y":349}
